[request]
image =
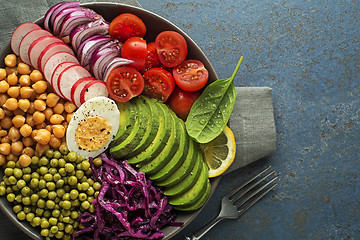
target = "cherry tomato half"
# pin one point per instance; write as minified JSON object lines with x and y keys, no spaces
{"x":191,"y":75}
{"x":124,"y":83}
{"x":181,"y":101}
{"x":127,"y":25}
{"x":135,"y":49}
{"x":172,"y":48}
{"x":159,"y":83}
{"x":152,"y":59}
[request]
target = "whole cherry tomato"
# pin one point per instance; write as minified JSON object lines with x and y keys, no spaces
{"x":181,"y":101}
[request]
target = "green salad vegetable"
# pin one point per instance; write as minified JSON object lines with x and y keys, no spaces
{"x":211,"y":111}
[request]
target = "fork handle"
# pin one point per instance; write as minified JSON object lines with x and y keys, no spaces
{"x":204,"y":229}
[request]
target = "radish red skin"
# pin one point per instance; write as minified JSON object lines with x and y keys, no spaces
{"x":19,"y":34}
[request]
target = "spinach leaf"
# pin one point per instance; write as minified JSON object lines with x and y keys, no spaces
{"x":211,"y":111}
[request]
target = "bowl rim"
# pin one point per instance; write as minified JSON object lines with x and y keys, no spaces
{"x":32,"y":231}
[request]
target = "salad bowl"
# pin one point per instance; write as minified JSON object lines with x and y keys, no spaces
{"x":154,"y":24}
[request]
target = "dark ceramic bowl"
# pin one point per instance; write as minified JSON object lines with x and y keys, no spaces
{"x":155,"y":24}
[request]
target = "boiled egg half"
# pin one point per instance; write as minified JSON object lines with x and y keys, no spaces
{"x":93,"y":126}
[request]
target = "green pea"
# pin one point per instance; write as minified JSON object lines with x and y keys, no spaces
{"x":74,"y":215}
{"x":34,"y":198}
{"x":44,"y":232}
{"x":92,"y":209}
{"x":78,"y":166}
{"x":35,"y":175}
{"x":62,"y":172}
{"x":36,"y":221}
{"x":97,"y":162}
{"x":57,"y":154}
{"x":84,"y":179}
{"x":72,"y":156}
{"x":25,"y":191}
{"x":6,"y":181}
{"x":47,"y":214}
{"x":90,"y":181}
{"x":42,"y":184}
{"x":39,"y":212}
{"x":51,"y":186}
{"x":60,"y":183}
{"x":88,"y":172}
{"x":60,"y":192}
{"x":35,"y":160}
{"x":97,"y":186}
{"x":54,"y":229}
{"x":85,"y":186}
{"x":18,"y":198}
{"x":53,"y":221}
{"x":49,"y":153}
{"x":72,"y":180}
{"x":43,"y":170}
{"x":27,"y":177}
{"x":17,"y":208}
{"x":82,"y":196}
{"x":30,"y":216}
{"x":21,"y":215}
{"x":74,"y":194}
{"x":67,"y":236}
{"x":66,"y":196}
{"x":40,"y":203}
{"x":90,"y":191}
{"x":8,"y":171}
{"x":21,"y":183}
{"x":26,"y":201}
{"x":34,"y":182}
{"x":10,"y":197}
{"x":57,"y":177}
{"x":85,"y":204}
{"x":10,"y":164}
{"x":2,"y":190}
{"x":44,"y":161}
{"x":55,"y":213}
{"x":64,"y":149}
{"x":54,"y":162}
{"x":48,"y":177}
{"x":52,"y":171}
{"x":43,"y":193}
{"x":68,"y":228}
{"x":61,"y":225}
{"x":12,"y":180}
{"x":79,"y":174}
{"x":59,"y":235}
{"x":52,"y":195}
{"x":67,"y":188}
{"x":69,"y":167}
{"x":66,"y":205}
{"x":85,"y":165}
{"x":75,"y":203}
{"x":50,"y":204}
{"x":61,"y":162}
{"x":66,"y":219}
{"x":14,"y":188}
{"x":44,"y":224}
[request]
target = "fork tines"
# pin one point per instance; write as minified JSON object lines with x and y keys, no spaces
{"x":251,"y":191}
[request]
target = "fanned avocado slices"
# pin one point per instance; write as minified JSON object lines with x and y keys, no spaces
{"x":199,"y":203}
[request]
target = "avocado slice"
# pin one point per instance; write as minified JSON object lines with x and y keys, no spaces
{"x":179,"y":157}
{"x":151,"y":129}
{"x":184,"y":170}
{"x":139,"y":129}
{"x":160,"y":140}
{"x":128,"y":114}
{"x":199,"y":203}
{"x":194,"y":193}
{"x":167,"y":152}
{"x":189,"y":181}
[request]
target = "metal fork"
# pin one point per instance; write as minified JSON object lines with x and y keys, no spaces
{"x":232,"y":206}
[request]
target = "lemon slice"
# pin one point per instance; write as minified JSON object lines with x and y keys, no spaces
{"x":220,"y":152}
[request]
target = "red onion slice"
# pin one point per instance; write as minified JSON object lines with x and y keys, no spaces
{"x":82,"y":32}
{"x":49,"y":13}
{"x":61,"y":7}
{"x":115,"y":63}
{"x":59,"y":19}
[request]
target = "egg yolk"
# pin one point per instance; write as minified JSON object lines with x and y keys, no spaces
{"x":93,"y":133}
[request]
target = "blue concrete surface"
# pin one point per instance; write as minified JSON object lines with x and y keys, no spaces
{"x":308,"y":53}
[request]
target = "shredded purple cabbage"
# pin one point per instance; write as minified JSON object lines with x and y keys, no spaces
{"x":128,"y":205}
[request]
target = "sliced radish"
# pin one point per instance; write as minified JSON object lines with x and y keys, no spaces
{"x":92,"y":89}
{"x":28,"y":40}
{"x":68,"y":78}
{"x":51,"y":50}
{"x":56,"y":73}
{"x":38,"y":46}
{"x":76,"y":89}
{"x":54,"y":61}
{"x":19,"y":34}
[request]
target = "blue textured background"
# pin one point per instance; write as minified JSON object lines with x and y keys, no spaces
{"x":308,"y":53}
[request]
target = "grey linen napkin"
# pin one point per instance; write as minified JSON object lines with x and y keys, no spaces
{"x":252,"y":120}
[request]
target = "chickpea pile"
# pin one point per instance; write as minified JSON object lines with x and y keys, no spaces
{"x":33,"y":119}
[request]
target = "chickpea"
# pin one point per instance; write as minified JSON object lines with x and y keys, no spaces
{"x":54,"y":141}
{"x":2,"y":73}
{"x":26,"y":92}
{"x":4,"y":86}
{"x":49,"y":128}
{"x":30,"y":120}
{"x":23,"y":68}
{"x":14,"y":134}
{"x":5,"y":148}
{"x":6,"y":122}
{"x":2,"y":113}
{"x":42,"y":96}
{"x":58,"y":108}
{"x":69,"y":116}
{"x":11,"y":157}
{"x":16,"y":148}
{"x":3,"y":98}
{"x":69,"y":107}
{"x":65,"y":124}
{"x":42,"y":136}
{"x":51,"y":100}
{"x":25,"y":80}
{"x":5,"y":139}
{"x":2,"y":160}
{"x":39,"y":105}
{"x":18,"y":121}
{"x":36,"y":75}
{"x":10,"y":70}
{"x":3,"y":133}
{"x":25,"y":130}
{"x":56,"y":119}
{"x":14,"y":91}
{"x":24,"y":104}
{"x":11,"y":104}
{"x":28,"y":151}
{"x":27,"y":141}
{"x":24,"y":160}
{"x":12,"y":79}
{"x":40,"y":149}
{"x":41,"y":125}
{"x":40,"y":86}
{"x":33,"y":97}
{"x":38,"y":117}
{"x":31,"y":109}
{"x":48,"y":113}
{"x":10,"y":60}
{"x":58,"y":130}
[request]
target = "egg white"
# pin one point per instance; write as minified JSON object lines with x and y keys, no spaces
{"x":97,"y":106}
